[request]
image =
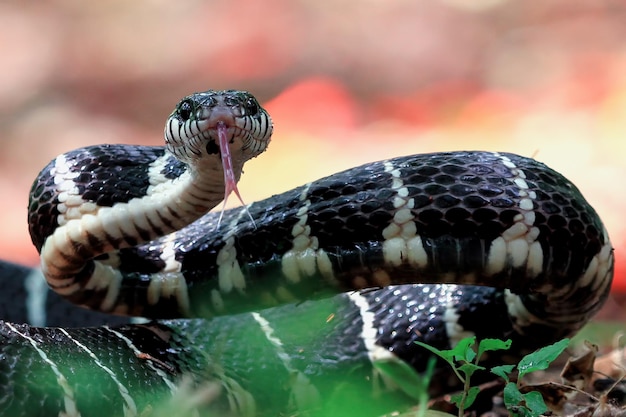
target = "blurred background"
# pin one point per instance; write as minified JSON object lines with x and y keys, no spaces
{"x":347,"y":82}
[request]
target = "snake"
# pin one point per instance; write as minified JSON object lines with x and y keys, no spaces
{"x":306,"y":303}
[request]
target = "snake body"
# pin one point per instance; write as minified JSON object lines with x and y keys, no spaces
{"x":125,"y":230}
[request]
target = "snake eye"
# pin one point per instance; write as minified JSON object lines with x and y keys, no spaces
{"x":252,"y":106}
{"x":185,"y":109}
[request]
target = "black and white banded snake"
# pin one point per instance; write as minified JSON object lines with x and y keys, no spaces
{"x":117,"y":231}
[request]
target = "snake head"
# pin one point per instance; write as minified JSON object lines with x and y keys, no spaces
{"x":229,"y":124}
{"x":193,"y":130}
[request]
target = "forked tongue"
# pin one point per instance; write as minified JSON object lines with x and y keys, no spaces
{"x":230,"y":183}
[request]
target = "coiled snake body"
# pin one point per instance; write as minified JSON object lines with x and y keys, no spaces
{"x":124,"y":230}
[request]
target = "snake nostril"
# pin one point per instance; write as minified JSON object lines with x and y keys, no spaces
{"x":212,"y":148}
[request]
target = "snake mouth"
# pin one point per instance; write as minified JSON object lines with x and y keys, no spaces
{"x":237,"y":139}
{"x":222,"y":135}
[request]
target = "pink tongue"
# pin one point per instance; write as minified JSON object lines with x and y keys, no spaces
{"x":230,"y":183}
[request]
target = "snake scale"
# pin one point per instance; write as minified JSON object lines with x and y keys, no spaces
{"x":310,"y":296}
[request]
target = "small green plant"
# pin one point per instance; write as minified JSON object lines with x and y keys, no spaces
{"x":530,"y":404}
{"x":464,"y":362}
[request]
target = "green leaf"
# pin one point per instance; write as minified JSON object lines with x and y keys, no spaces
{"x":456,"y":399}
{"x":493,"y":344}
{"x":534,"y":402}
{"x":471,"y":396}
{"x":542,"y":358}
{"x":512,"y":396}
{"x":463,"y":350}
{"x":469,"y":368}
{"x":465,"y":399}
{"x":443,"y":354}
{"x":503,"y":371}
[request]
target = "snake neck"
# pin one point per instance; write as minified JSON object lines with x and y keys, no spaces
{"x":86,"y":230}
{"x":172,"y":204}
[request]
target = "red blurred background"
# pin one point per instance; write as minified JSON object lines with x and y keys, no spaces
{"x":347,"y":82}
